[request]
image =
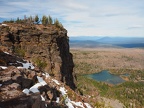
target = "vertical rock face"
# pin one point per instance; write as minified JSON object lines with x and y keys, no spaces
{"x":46,"y":47}
{"x":67,"y":61}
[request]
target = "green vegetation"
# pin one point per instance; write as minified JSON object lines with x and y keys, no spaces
{"x":118,"y":62}
{"x":129,"y":93}
{"x":20,"y":52}
{"x":58,"y":24}
{"x":36,"y":20}
{"x":40,"y":63}
{"x":44,"y":20}
{"x":50,"y":20}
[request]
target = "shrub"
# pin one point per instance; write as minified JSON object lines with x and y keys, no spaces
{"x":41,"y":64}
{"x":58,"y":24}
{"x":20,"y":52}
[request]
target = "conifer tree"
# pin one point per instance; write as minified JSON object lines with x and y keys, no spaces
{"x":50,"y":21}
{"x":30,"y":20}
{"x":58,"y":24}
{"x":37,"y":19}
{"x":18,"y":20}
{"x":44,"y":20}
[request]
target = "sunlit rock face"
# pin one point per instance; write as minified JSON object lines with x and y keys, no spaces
{"x":46,"y":47}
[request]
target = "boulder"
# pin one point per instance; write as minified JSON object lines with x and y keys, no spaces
{"x":33,"y":101}
{"x":26,"y":83}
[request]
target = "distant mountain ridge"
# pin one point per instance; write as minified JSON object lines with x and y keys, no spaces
{"x":97,"y":41}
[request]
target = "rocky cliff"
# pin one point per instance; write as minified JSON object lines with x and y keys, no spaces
{"x":45,"y":47}
{"x":36,"y":68}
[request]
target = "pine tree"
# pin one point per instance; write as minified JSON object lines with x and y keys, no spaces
{"x":37,"y":19}
{"x":44,"y":20}
{"x":58,"y":24}
{"x":30,"y":20}
{"x":50,"y":21}
{"x":18,"y":20}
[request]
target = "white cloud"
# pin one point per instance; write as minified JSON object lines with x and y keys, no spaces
{"x":94,"y":17}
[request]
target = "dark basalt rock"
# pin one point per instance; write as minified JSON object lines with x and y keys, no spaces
{"x":32,"y":101}
{"x":48,"y":49}
{"x":39,"y":44}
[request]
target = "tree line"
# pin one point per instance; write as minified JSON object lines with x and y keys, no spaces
{"x":45,"y":20}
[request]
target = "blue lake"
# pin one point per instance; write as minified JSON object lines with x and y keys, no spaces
{"x":107,"y":77}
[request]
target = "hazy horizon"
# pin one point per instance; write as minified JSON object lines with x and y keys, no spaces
{"x":106,"y":36}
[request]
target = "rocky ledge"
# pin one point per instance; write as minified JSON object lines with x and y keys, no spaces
{"x":23,"y":84}
{"x":47,"y":47}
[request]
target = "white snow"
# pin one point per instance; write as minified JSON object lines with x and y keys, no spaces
{"x":42,"y":98}
{"x":4,"y":25}
{"x":57,"y":100}
{"x":56,"y":81}
{"x":6,"y":52}
{"x":3,"y":67}
{"x":20,"y":67}
{"x":80,"y":104}
{"x":41,"y":81}
{"x":26,"y":65}
{"x":69,"y":105}
{"x":46,"y":75}
{"x":87,"y":105}
{"x":67,"y":100}
{"x":34,"y":88}
{"x":26,"y":91}
{"x":0,"y":85}
{"x":63,"y":91}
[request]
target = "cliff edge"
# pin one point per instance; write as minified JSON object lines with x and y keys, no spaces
{"x":47,"y":47}
{"x":36,"y":68}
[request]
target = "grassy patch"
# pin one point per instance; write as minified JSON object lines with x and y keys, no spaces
{"x":129,"y":93}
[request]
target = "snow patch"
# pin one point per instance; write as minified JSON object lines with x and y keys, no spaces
{"x":3,"y":67}
{"x":80,"y":104}
{"x":41,"y":81}
{"x":87,"y":105}
{"x":20,"y":67}
{"x":56,"y":81}
{"x":69,"y":105}
{"x":34,"y":88}
{"x":26,"y":91}
{"x":26,"y":65}
{"x":63,"y":91}
{"x":4,"y":25}
{"x":42,"y":98}
{"x":6,"y":53}
{"x":46,"y":75}
{"x":57,"y":100}
{"x":0,"y":85}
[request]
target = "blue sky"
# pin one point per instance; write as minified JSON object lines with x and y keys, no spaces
{"x":84,"y":17}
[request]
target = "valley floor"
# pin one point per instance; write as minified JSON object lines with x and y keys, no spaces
{"x":98,"y":59}
{"x":117,"y":61}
